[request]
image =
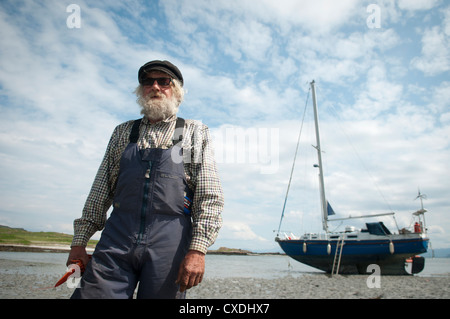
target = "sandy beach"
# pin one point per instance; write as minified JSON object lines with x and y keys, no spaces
{"x":323,"y":287}
{"x":14,"y":285}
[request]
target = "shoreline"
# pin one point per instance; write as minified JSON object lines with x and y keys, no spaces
{"x":38,"y":248}
{"x":59,"y":248}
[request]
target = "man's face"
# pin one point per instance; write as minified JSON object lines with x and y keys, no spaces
{"x":154,"y":89}
{"x":157,"y":97}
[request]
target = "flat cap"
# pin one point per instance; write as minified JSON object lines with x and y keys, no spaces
{"x":163,"y":66}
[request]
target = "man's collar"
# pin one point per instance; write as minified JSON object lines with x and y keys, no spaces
{"x":172,"y":118}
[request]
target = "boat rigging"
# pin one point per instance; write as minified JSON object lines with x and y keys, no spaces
{"x":353,"y":250}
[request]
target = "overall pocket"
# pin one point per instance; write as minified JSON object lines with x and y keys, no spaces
{"x":168,"y":194}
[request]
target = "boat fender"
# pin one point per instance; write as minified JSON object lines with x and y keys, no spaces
{"x":305,"y":248}
{"x":329,"y":248}
{"x":417,"y":228}
{"x":391,"y":247}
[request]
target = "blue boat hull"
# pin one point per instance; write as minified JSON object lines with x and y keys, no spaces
{"x":356,"y":255}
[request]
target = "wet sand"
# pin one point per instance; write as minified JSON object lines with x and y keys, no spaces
{"x":324,"y":287}
{"x":14,"y":285}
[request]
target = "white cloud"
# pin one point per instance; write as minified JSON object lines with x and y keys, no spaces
{"x":435,"y":58}
{"x":251,"y":33}
{"x":342,"y":57}
{"x":412,"y":5}
{"x":239,"y":231}
{"x":317,"y":17}
{"x":379,"y":94}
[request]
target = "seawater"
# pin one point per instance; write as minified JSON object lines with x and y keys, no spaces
{"x":257,"y":266}
{"x":217,"y":266}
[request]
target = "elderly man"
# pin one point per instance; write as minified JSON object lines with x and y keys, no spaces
{"x":160,"y":176}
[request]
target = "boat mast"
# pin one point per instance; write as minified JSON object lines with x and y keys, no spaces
{"x":422,"y":211}
{"x":319,"y":156}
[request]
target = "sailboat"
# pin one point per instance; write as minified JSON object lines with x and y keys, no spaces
{"x":357,"y":251}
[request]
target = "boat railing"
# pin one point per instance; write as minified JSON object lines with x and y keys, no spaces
{"x":286,"y":236}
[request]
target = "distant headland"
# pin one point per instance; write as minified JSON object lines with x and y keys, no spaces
{"x":21,"y":240}
{"x":229,"y":251}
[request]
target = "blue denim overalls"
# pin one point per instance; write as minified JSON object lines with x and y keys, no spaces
{"x":149,"y":231}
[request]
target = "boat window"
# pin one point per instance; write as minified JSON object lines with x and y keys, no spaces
{"x":378,"y":229}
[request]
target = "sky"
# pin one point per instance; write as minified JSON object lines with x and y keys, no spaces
{"x":68,"y":70}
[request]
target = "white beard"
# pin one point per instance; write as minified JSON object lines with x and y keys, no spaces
{"x":159,"y":109}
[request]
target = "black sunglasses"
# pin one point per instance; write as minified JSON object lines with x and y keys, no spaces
{"x":163,"y":82}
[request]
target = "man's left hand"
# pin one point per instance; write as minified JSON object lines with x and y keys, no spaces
{"x":191,"y":270}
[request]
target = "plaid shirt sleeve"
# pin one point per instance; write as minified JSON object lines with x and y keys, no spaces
{"x":102,"y":192}
{"x":201,"y":174}
{"x":208,"y":199}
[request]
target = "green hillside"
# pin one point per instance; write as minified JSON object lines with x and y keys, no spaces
{"x":20,"y":236}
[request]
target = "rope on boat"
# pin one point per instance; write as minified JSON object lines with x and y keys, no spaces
{"x":293,"y":164}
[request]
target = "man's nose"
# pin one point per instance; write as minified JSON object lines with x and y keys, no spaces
{"x":152,"y":88}
{"x":155,"y":85}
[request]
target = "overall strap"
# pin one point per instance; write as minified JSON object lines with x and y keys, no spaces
{"x":178,"y":133}
{"x":134,"y":136}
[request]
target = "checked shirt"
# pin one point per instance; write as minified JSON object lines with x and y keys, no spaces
{"x":201,"y":174}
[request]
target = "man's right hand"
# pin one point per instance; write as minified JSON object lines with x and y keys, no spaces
{"x":78,"y":252}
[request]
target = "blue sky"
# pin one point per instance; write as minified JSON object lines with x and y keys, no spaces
{"x":383,"y":94}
